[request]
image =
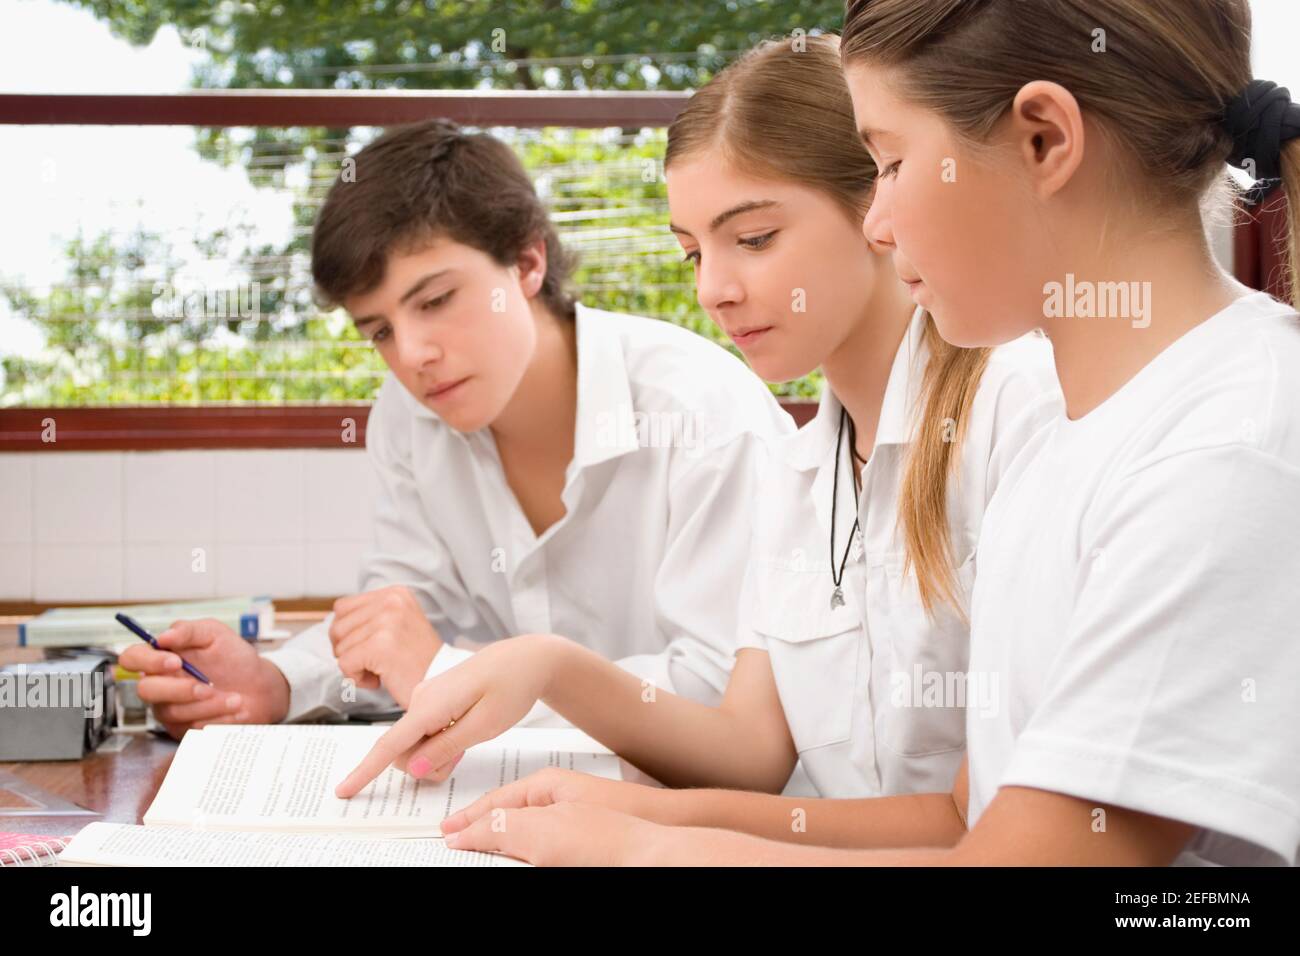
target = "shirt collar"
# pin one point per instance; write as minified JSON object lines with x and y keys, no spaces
{"x":605,"y":425}
{"x":809,"y":447}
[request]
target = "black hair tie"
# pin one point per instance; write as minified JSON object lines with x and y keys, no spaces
{"x":1259,"y":120}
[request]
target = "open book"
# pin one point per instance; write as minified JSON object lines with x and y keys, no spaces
{"x":280,"y":779}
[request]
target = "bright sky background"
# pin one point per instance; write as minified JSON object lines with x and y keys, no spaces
{"x":54,"y":177}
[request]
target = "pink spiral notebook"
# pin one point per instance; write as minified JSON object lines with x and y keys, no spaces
{"x":30,"y":849}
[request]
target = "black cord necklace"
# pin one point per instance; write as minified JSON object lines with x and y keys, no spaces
{"x":837,"y":596}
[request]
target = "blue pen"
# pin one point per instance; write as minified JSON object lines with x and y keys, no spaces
{"x":144,"y":635}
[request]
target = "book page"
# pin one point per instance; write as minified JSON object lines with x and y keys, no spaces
{"x":282,"y":777}
{"x":120,"y":844}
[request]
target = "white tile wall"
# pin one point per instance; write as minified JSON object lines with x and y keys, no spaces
{"x":170,"y":571}
{"x":16,"y":499}
{"x":126,"y":526}
{"x":17,"y":529}
{"x":77,"y":498}
{"x":261,"y":568}
{"x":16,"y":560}
{"x":169,"y":497}
{"x":77,"y":572}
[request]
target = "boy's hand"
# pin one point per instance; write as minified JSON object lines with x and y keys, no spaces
{"x":383,"y":637}
{"x":245,"y":689}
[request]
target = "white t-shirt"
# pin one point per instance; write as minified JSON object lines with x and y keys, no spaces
{"x":1138,"y":597}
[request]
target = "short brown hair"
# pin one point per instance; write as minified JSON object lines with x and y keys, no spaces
{"x":423,"y":181}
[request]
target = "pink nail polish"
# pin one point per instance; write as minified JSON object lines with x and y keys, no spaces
{"x":418,"y":767}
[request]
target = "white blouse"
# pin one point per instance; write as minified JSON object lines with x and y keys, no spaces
{"x":870,"y":685}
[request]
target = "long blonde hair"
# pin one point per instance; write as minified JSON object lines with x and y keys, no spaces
{"x":1161,"y":88}
{"x":783,"y":111}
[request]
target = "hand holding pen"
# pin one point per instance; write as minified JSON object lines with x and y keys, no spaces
{"x":236,"y":684}
{"x":144,"y":635}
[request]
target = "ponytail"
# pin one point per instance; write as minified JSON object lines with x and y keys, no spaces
{"x":952,"y":376}
{"x":1291,"y":189}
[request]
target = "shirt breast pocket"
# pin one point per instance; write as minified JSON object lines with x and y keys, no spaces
{"x":813,"y":650}
{"x":922,"y":708}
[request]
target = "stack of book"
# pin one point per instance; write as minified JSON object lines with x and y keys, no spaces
{"x":250,"y":617}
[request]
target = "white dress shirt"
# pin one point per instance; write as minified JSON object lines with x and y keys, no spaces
{"x":848,"y":675}
{"x":643,"y":567}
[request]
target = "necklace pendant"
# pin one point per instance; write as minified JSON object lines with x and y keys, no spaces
{"x":837,"y":598}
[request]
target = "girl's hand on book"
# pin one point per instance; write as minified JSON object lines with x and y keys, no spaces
{"x":564,"y":834}
{"x":473,"y":702}
{"x":383,"y":637}
{"x":556,"y":785}
{"x":245,"y":688}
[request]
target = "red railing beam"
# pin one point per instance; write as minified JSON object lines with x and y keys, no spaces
{"x":339,"y":108}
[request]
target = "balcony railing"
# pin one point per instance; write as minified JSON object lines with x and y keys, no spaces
{"x":1258,"y":258}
